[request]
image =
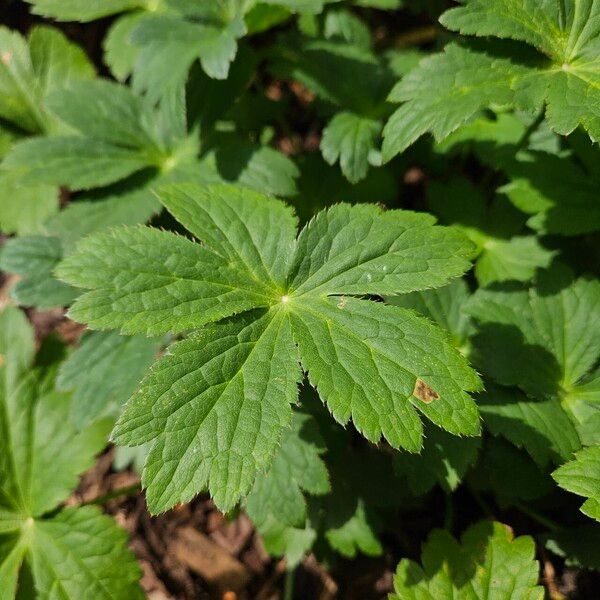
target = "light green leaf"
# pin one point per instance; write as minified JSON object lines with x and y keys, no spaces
{"x":581,"y":476}
{"x":514,"y":259}
{"x":504,"y":253}
{"x":488,"y":564}
{"x":301,"y":6}
{"x":292,"y":542}
{"x":103,"y":372}
{"x":56,"y":61}
{"x":81,"y":552}
{"x":216,"y":405}
{"x":119,"y":52}
{"x":168,"y":46}
{"x":34,"y":259}
{"x":83,"y":10}
{"x":260,"y":168}
{"x":542,"y":427}
{"x":117,"y":206}
{"x":351,"y":139}
{"x":345,"y":25}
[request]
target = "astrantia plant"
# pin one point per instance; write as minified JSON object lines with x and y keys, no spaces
{"x":329,"y":267}
{"x":274,"y":301}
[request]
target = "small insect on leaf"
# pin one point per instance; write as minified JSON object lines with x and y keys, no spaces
{"x":424,"y":392}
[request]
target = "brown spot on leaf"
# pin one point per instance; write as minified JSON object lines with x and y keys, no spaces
{"x":342,"y":302}
{"x":424,"y":392}
{"x":1,"y":360}
{"x":6,"y":56}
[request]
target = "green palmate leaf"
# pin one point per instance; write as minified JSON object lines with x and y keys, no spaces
{"x":73,"y":552}
{"x":81,"y":552}
{"x":276,"y":503}
{"x":86,"y":10}
{"x":544,"y":339}
{"x":351,"y":139}
{"x":445,"y":306}
{"x":395,"y":348}
{"x":34,"y":259}
{"x":31,"y":69}
{"x":444,"y":91}
{"x":582,"y":477}
{"x":444,"y":461}
{"x":119,"y":137}
{"x":504,"y":253}
{"x":217,"y":404}
{"x":103,"y":372}
{"x":42,"y":454}
{"x":488,"y":564}
{"x":149,"y":281}
{"x":542,"y":427}
{"x":470,"y":78}
{"x":567,"y":34}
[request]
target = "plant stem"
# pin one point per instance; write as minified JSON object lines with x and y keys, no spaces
{"x":537,"y":517}
{"x":288,"y":584}
{"x":125,"y":491}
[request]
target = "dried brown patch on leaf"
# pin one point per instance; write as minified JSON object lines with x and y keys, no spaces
{"x":424,"y":392}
